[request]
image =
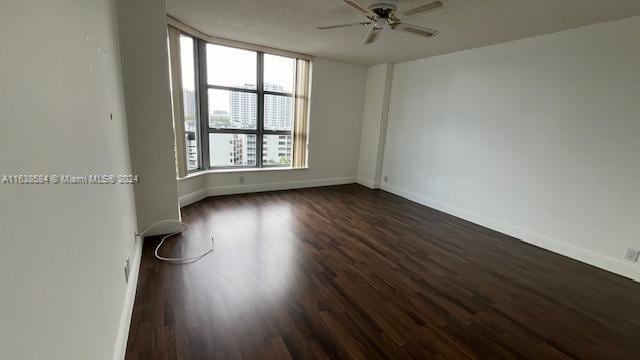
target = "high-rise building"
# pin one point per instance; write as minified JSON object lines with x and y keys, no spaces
{"x":278,"y":110}
{"x":244,"y":109}
{"x":233,"y":149}
{"x":190,"y":128}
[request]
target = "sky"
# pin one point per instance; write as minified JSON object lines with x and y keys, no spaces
{"x":228,"y":66}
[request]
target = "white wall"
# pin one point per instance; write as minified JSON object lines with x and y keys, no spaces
{"x":337,"y":97}
{"x":145,"y":68}
{"x":374,"y":124}
{"x":62,"y":246}
{"x":539,"y":138}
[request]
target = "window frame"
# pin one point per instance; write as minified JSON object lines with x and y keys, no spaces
{"x":196,"y":90}
{"x":202,"y":102}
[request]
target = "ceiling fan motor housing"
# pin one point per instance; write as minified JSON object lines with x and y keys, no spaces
{"x":384,"y":9}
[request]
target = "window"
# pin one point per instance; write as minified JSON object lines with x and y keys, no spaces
{"x":249,"y":106}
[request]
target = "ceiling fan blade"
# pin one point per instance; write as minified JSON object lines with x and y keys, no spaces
{"x":372,"y":35}
{"x":342,"y":25}
{"x":415,"y":30}
{"x":425,"y":8}
{"x":356,"y":5}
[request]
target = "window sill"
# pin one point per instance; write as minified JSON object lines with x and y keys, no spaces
{"x":242,"y":170}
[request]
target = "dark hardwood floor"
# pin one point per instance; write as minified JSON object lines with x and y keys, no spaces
{"x":347,"y":272}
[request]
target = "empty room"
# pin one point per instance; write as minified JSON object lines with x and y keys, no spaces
{"x":320,"y":179}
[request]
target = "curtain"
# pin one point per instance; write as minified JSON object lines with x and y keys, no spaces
{"x":176,"y":101}
{"x":301,"y":119}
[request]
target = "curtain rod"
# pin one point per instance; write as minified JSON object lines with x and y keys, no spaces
{"x":238,"y":44}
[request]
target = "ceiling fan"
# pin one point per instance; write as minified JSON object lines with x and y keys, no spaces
{"x":383,"y":14}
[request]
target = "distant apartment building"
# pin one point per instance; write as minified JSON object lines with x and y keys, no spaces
{"x":240,"y":149}
{"x":190,"y":124}
{"x":244,"y":110}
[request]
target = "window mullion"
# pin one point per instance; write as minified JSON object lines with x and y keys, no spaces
{"x":277,"y":132}
{"x":233,"y":131}
{"x":201,"y":71}
{"x":231,"y":88}
{"x":260,"y":115}
{"x":278,"y":93}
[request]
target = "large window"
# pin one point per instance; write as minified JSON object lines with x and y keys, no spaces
{"x":241,"y":108}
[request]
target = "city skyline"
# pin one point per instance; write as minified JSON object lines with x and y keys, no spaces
{"x":240,"y":109}
{"x":240,"y":112}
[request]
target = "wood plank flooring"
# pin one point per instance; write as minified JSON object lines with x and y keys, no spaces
{"x":348,"y":272}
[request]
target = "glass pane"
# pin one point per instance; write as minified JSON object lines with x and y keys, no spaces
{"x":276,"y":150}
{"x":187,"y":62}
{"x":279,"y":73}
{"x":278,"y":112}
{"x":232,"y":109}
{"x":231,"y":67}
{"x":232,"y":150}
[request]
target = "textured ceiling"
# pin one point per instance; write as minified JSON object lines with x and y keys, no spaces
{"x":464,"y":24}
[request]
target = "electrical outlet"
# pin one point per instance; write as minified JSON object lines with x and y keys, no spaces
{"x":241,"y":180}
{"x":126,"y":270}
{"x":632,"y":255}
{"x":386,"y":179}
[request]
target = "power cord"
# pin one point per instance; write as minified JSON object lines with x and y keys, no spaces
{"x":176,"y":261}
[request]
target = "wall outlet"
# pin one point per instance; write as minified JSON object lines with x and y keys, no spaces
{"x":241,"y":180}
{"x":386,"y":179}
{"x":632,"y":255}
{"x":126,"y":270}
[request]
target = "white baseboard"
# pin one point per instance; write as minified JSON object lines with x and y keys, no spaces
{"x":191,"y":198}
{"x":368,"y":183}
{"x":127,"y":308}
{"x":163,"y":229}
{"x":531,"y":237}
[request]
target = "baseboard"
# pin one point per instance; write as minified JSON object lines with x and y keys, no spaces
{"x":163,"y":228}
{"x":531,"y":237}
{"x":191,"y":198}
{"x":127,"y":308}
{"x":368,"y":183}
